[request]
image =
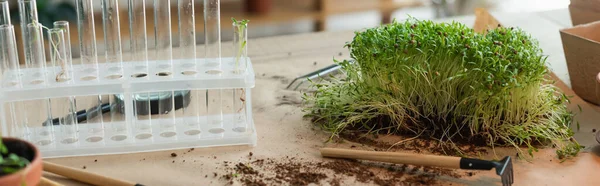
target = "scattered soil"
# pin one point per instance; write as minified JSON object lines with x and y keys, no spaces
{"x":84,"y":167}
{"x":417,"y":145}
{"x":250,"y":154}
{"x":315,"y":63}
{"x":173,"y":154}
{"x":294,"y":171}
{"x":289,"y":100}
{"x":95,"y":160}
{"x":283,"y":79}
{"x":593,"y":130}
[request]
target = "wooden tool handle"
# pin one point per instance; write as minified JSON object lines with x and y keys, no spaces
{"x":47,"y":182}
{"x":84,"y":176}
{"x":394,"y":157}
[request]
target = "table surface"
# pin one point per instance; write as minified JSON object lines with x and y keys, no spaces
{"x":283,"y":132}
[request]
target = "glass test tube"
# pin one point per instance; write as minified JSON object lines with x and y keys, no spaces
{"x":87,"y":38}
{"x":4,"y":13}
{"x":187,"y":33}
{"x":112,"y":38}
{"x":40,"y":118}
{"x":212,"y":33}
{"x":9,"y":56}
{"x":139,"y":52}
{"x":189,"y":114}
{"x":64,"y":26}
{"x":63,"y":108}
{"x":212,"y":41}
{"x":89,"y":60}
{"x":28,"y":14}
{"x":35,"y":39}
{"x":10,"y":69}
{"x":240,"y":47}
{"x":164,"y":60}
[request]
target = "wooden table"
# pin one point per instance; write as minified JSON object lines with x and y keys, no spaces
{"x":283,"y":132}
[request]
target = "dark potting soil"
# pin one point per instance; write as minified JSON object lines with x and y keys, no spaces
{"x":19,"y":148}
{"x":294,"y":171}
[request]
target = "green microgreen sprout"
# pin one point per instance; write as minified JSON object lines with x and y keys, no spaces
{"x":241,"y":27}
{"x":10,"y":162}
{"x":448,"y":82}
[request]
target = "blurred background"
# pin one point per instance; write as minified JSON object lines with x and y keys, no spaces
{"x":283,"y":17}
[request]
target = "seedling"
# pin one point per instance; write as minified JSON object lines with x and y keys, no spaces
{"x":448,"y":82}
{"x":10,"y":162}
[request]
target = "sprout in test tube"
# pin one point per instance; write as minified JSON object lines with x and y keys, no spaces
{"x":241,"y":43}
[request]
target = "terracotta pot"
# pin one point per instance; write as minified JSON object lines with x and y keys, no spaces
{"x":598,"y":78}
{"x":258,"y":6}
{"x":31,"y":174}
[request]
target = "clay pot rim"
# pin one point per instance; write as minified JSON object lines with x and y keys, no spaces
{"x":37,"y":159}
{"x":598,"y":78}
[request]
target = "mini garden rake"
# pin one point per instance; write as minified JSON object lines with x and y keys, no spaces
{"x":323,"y":73}
{"x":503,"y":167}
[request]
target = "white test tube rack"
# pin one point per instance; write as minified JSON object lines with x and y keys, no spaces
{"x":99,"y":137}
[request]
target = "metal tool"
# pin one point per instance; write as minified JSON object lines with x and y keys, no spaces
{"x":323,"y":73}
{"x":504,"y":167}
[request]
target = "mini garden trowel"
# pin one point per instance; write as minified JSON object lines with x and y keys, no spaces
{"x":503,"y":167}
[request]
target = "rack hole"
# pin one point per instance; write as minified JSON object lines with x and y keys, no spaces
{"x":94,"y":139}
{"x":12,"y":83}
{"x":44,"y":142}
{"x":114,"y":69}
{"x":238,"y":71}
{"x":239,"y":129}
{"x":60,"y":80}
{"x":119,"y":137}
{"x":139,"y":75}
{"x":36,"y":82}
{"x":214,"y":72}
{"x":188,"y":65}
{"x":69,"y":140}
{"x":168,"y":134}
{"x":192,"y":132}
{"x":163,"y":66}
{"x":163,"y":74}
{"x":88,"y":78}
{"x":88,"y":70}
{"x":189,"y":72}
{"x":216,"y":130}
{"x":143,"y":136}
{"x":114,"y":76}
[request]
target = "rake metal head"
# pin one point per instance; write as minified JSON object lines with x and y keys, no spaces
{"x":504,"y":169}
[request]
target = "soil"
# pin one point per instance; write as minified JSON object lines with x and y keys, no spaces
{"x":19,"y":148}
{"x":173,"y":154}
{"x":294,"y":171}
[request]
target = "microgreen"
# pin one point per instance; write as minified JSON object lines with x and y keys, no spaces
{"x":450,"y":82}
{"x":10,"y":162}
{"x":241,"y":26}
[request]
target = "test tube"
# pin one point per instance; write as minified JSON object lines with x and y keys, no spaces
{"x":212,"y":34}
{"x":240,"y":45}
{"x":9,"y":56}
{"x":4,"y":13}
{"x":10,"y":70}
{"x":36,"y":53}
{"x":64,"y":26}
{"x":187,"y":33}
{"x":58,"y":55}
{"x":64,"y":108}
{"x":28,"y":14}
{"x":112,"y":38}
{"x":212,"y":42}
{"x":87,"y":39}
{"x":139,"y":52}
{"x":89,"y":60}
{"x":164,"y":57}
